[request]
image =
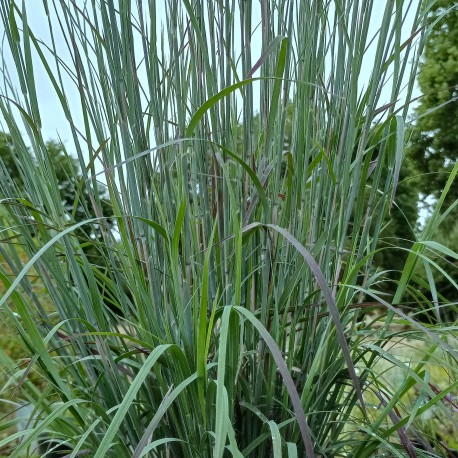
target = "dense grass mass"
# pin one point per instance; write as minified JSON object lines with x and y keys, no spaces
{"x":215,"y":296}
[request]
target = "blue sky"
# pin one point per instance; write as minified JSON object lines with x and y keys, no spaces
{"x":54,"y":124}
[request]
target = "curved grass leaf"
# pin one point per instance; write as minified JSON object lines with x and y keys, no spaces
{"x":289,"y":383}
{"x":326,"y":291}
{"x":126,"y":404}
{"x":222,"y":408}
{"x":212,"y":101}
{"x":161,"y":411}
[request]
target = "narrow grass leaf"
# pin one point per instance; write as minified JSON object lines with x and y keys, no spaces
{"x":333,"y":311}
{"x":221,"y":427}
{"x":161,"y":411}
{"x":287,"y":379}
{"x":276,"y":439}
{"x":129,"y":397}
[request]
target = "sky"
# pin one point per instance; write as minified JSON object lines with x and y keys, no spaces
{"x":56,"y":127}
{"x":54,"y":123}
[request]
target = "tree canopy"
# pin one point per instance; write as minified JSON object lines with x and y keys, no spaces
{"x":434,"y":142}
{"x":433,"y":148}
{"x":68,"y":175}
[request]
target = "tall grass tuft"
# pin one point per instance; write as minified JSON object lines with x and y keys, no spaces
{"x":250,"y":170}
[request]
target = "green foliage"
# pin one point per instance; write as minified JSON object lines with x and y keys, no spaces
{"x":433,"y":145}
{"x":399,"y":227}
{"x":434,"y":142}
{"x":444,"y":295}
{"x":65,"y":169}
{"x":239,"y":263}
{"x":8,"y":159}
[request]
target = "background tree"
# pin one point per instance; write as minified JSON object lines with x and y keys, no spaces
{"x":433,"y":148}
{"x":399,"y":225}
{"x":74,"y":196}
{"x":434,"y":141}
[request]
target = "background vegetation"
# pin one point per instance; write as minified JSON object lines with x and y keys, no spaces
{"x":232,"y":265}
{"x":432,"y":149}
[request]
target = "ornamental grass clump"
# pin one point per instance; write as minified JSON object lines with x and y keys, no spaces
{"x":236,"y":176}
